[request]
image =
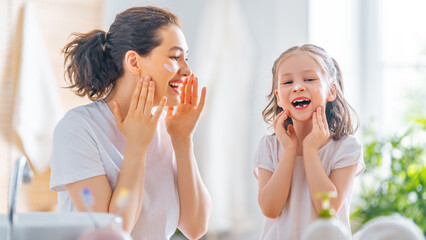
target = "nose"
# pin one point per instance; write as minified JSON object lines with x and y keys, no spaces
{"x":298,"y":88}
{"x":185,"y":70}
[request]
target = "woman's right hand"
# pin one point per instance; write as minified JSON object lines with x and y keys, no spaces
{"x":139,"y":125}
{"x":287,"y":139}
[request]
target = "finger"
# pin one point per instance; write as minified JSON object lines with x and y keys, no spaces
{"x":290,"y":130}
{"x":117,"y":114}
{"x":170,"y":111}
{"x":149,"y":98}
{"x":142,"y":96}
{"x":320,"y":119}
{"x":314,"y":121}
{"x":277,"y":117}
{"x":194,"y":98}
{"x":188,"y":89}
{"x":135,"y":96}
{"x":281,"y":120}
{"x":324,"y":117}
{"x":202,"y":100}
{"x":160,"y":108}
{"x":182,"y":89}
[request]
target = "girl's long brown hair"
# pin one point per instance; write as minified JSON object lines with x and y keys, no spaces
{"x":341,"y":117}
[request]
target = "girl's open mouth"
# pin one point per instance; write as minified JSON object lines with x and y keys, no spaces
{"x":300,"y":103}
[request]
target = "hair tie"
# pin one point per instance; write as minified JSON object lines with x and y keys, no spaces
{"x":102,"y":36}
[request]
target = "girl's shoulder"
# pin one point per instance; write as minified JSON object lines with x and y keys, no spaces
{"x":268,"y":141}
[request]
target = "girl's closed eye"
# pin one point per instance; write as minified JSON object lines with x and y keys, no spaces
{"x":287,"y":82}
{"x":310,"y":79}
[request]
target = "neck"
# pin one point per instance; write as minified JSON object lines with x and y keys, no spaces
{"x":302,"y":130}
{"x":123,"y":88}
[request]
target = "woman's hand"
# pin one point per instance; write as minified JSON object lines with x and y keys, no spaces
{"x":139,"y":125}
{"x":320,"y":132}
{"x":182,"y":123}
{"x":287,"y":139}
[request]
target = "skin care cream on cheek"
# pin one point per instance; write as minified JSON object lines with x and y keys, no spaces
{"x":170,"y":68}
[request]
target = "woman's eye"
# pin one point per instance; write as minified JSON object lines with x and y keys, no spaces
{"x":175,"y":57}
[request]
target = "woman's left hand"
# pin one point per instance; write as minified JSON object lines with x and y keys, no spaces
{"x":319,"y":133}
{"x":182,"y":123}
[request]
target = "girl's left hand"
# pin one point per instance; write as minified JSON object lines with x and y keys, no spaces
{"x":182,"y":123}
{"x":319,"y":133}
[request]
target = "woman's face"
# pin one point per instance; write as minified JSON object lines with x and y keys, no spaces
{"x":167,"y":66}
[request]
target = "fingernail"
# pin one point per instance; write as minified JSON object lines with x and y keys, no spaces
{"x":140,"y":80}
{"x":146,"y":79}
{"x":150,"y":83}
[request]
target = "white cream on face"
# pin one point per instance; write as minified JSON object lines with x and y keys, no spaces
{"x":170,"y":68}
{"x":297,"y":87}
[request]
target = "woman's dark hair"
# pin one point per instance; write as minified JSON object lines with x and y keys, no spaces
{"x":94,"y":60}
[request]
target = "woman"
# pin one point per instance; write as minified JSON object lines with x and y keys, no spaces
{"x":116,"y":143}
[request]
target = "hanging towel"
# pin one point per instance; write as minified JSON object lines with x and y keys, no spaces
{"x":37,"y":102}
{"x":223,"y":63}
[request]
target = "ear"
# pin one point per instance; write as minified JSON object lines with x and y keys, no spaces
{"x":132,"y":62}
{"x":278,"y":98}
{"x":332,"y":93}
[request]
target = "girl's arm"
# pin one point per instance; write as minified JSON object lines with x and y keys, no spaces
{"x":340,"y":180}
{"x":274,"y":188}
{"x":194,"y":199}
{"x":138,"y":128}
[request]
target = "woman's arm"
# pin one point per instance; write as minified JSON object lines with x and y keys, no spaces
{"x":274,"y":188}
{"x":132,"y":177}
{"x":194,"y":199}
{"x":138,"y":128}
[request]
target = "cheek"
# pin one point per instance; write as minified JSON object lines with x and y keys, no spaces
{"x":171,"y":68}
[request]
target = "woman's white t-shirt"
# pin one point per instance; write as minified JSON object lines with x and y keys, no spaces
{"x":87,"y":143}
{"x":299,"y":210}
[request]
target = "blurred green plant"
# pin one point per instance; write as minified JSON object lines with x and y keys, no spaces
{"x":395,"y":178}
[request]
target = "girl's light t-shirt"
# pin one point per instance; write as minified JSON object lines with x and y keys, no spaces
{"x":88,"y":143}
{"x":299,"y":210}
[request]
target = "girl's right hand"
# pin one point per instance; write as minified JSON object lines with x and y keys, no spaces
{"x":139,"y":125}
{"x":287,"y":139}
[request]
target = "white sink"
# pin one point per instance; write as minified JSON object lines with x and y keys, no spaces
{"x":54,"y":225}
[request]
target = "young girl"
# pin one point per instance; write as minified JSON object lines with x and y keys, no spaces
{"x":116,"y":142}
{"x":313,"y":149}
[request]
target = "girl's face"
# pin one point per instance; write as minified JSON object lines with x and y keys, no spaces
{"x":167,"y":66}
{"x":302,"y":87}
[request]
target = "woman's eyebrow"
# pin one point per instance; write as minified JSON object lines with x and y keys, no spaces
{"x":177,"y":48}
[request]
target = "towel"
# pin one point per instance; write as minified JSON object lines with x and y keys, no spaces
{"x":37,"y":102}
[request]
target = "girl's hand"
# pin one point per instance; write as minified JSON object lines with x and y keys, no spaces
{"x":182,"y":123}
{"x":139,"y":125}
{"x":320,"y":132}
{"x":287,"y":139}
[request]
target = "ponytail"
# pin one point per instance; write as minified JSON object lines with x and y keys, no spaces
{"x":89,"y":69}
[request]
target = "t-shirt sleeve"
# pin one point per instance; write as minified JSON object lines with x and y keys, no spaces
{"x":349,"y":153}
{"x":75,"y":155}
{"x":263,"y":156}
